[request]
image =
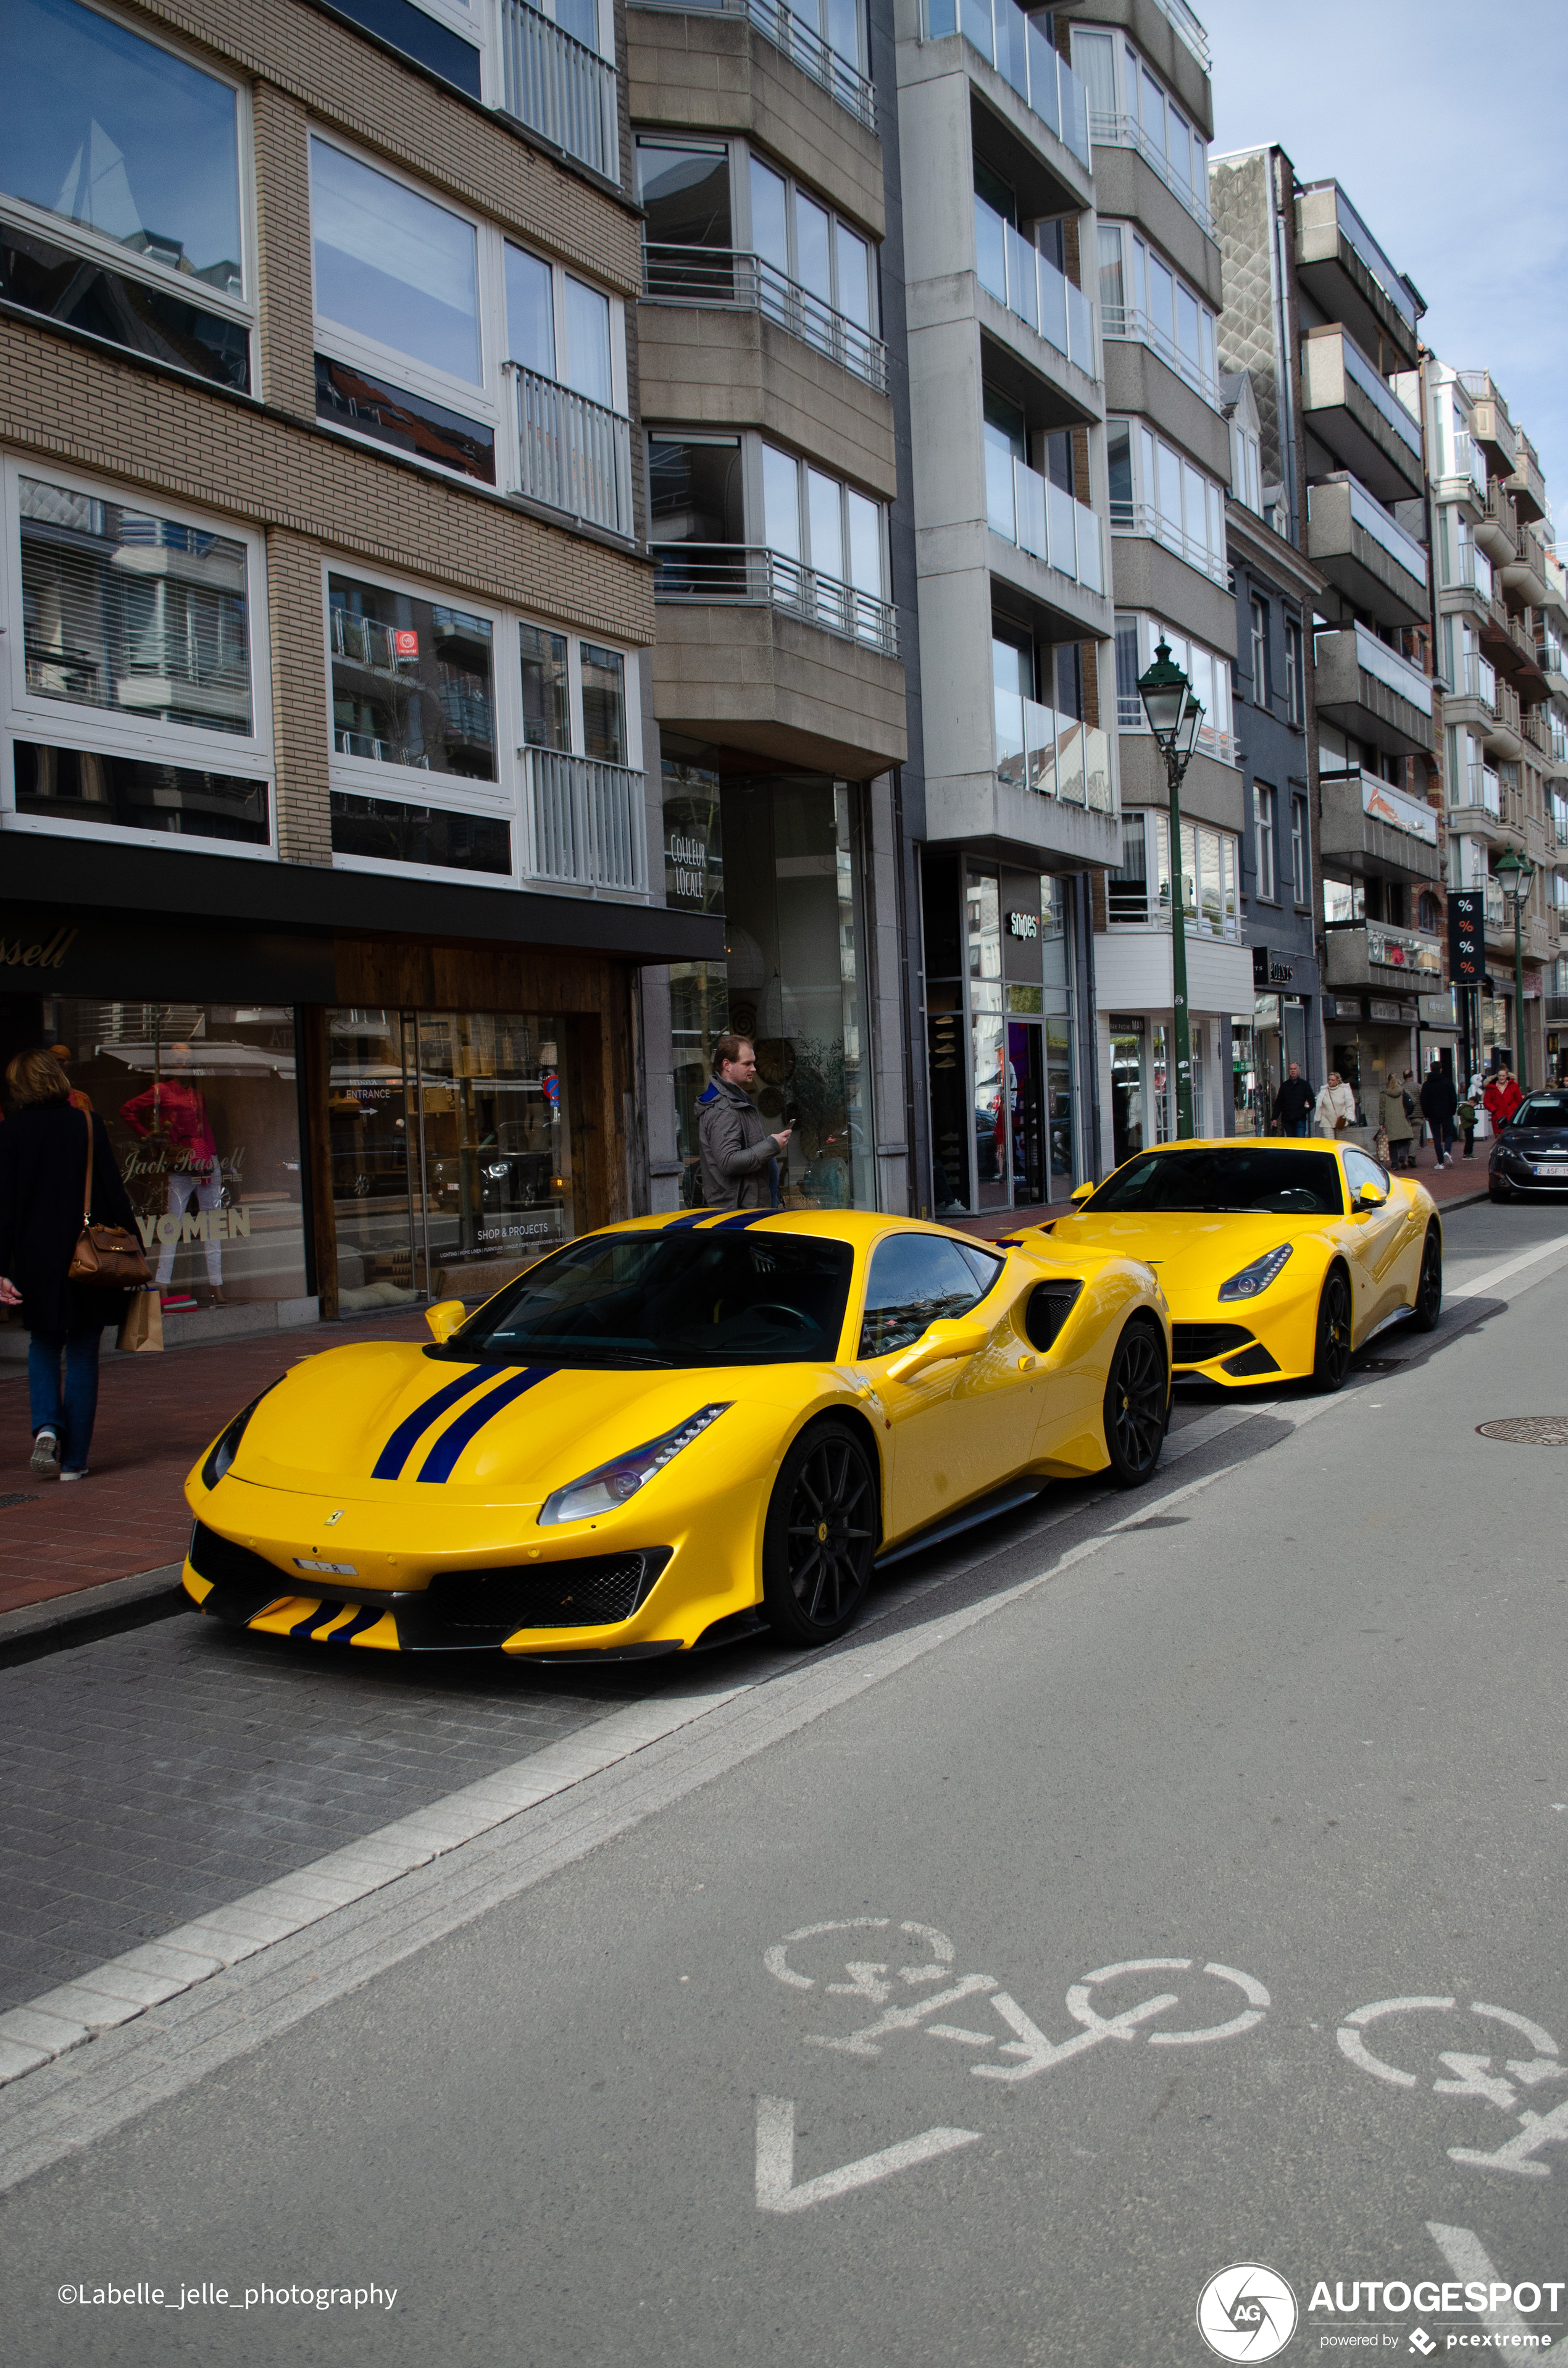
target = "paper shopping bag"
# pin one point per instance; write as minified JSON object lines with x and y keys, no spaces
{"x":143,"y":1325}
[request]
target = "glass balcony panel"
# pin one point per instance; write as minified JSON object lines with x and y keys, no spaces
{"x":1074,"y":111}
{"x":1040,"y":747}
{"x":1061,"y":527}
{"x":1042,"y":92}
{"x":1009,"y":712}
{"x":1081,"y":330}
{"x":991,"y":249}
{"x":1096,"y":770}
{"x":1091,"y":561}
{"x":1069,"y":762}
{"x":1053,"y":290}
{"x":941,"y":17}
{"x":975,"y":18}
{"x":1023,"y":279}
{"x":999,"y":510}
{"x":1029,"y":494}
{"x":1011,"y":47}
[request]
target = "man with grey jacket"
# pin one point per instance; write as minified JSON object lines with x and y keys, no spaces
{"x":735,"y":1151}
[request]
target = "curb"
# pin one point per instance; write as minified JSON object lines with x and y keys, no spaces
{"x":61,"y":1620}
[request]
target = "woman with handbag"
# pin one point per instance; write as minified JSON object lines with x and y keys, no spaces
{"x":1396,"y":1122}
{"x":68,"y":1248}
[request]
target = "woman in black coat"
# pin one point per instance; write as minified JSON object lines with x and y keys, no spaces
{"x":43,"y":1173}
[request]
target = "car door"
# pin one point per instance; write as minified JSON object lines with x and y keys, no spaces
{"x":1376,"y":1237}
{"x":961,"y":1427}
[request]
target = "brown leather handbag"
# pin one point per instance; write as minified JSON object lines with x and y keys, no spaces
{"x":105,"y":1255}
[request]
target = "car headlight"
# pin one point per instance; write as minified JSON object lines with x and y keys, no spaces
{"x":606,"y":1490}
{"x":227,"y":1446}
{"x":1256,"y":1277}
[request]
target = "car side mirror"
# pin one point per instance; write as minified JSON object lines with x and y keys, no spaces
{"x":948,"y":1336}
{"x":1081,"y":1192}
{"x":444,"y":1318}
{"x":1369,"y":1197}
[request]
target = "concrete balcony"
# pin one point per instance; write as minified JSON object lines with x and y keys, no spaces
{"x":1343,"y":268}
{"x":1472,"y":700}
{"x":1376,"y":955}
{"x":1377,"y":831}
{"x":1502,"y":737}
{"x":1347,"y":406}
{"x":1371,"y":692}
{"x":1527,"y":484}
{"x":1489,"y":425}
{"x":1475,"y":810}
{"x":1497,"y":529}
{"x":1524,"y":576}
{"x":1357,"y":546}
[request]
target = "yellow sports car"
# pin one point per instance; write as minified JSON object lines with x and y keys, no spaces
{"x":670,"y":1432}
{"x":1279,"y":1258}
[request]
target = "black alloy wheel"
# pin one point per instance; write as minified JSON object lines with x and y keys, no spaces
{"x":1137,"y":1405}
{"x":1331,"y":1365}
{"x":822,"y":1527}
{"x":1429,"y":1289}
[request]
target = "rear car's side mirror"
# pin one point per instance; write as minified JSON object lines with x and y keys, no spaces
{"x":1081,"y":1192}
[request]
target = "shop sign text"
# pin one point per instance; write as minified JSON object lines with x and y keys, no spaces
{"x":208,"y":1225}
{"x":18,"y":955}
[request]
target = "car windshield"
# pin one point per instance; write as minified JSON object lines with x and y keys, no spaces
{"x":668,"y":1298}
{"x":1275,"y":1183}
{"x":1542,"y":1110}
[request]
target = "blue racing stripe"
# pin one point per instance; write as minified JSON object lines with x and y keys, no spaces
{"x":437,"y":1464}
{"x":400,"y":1446}
{"x":695,"y":1217}
{"x":322,"y":1611}
{"x":366,"y":1617}
{"x":746,"y":1217}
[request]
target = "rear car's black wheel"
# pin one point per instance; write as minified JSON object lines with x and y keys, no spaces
{"x":1137,"y":1405}
{"x":1331,"y":1365}
{"x":822,"y":1526}
{"x":1429,"y":1289}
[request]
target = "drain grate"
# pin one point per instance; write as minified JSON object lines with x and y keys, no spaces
{"x":1529,"y":1430}
{"x":23,"y":1499}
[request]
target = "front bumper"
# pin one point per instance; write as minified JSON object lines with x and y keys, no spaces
{"x":1520,"y":1175}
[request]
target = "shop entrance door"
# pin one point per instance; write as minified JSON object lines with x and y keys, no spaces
{"x":1031,"y":1175}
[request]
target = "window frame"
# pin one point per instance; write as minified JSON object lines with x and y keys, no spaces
{"x":740,"y":153}
{"x":1135,"y":244}
{"x":560,"y":274}
{"x":1265,"y":841}
{"x":1262,"y":624}
{"x":803,"y":464}
{"x":96,"y":247}
{"x":100,"y":731}
{"x":1301,"y":851}
{"x":502,"y":799}
{"x":1295,"y":673}
{"x":1145,"y":448}
{"x":1215,"y":739}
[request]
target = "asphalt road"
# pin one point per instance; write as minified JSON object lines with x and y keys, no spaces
{"x":1291,"y":1723}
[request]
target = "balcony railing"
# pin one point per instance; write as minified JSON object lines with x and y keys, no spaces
{"x":748,"y":283}
{"x":1142,"y":518}
{"x":1475,"y":677}
{"x":797,"y":40}
{"x":1188,"y":30}
{"x":748,"y":575}
{"x":1221,"y":746}
{"x":559,"y":87}
{"x":1115,"y":131}
{"x":1373,"y":519}
{"x":1028,"y":510}
{"x":1386,"y":666}
{"x":1472,"y":568}
{"x":1469,"y":461}
{"x":1128,"y":321}
{"x":1549,"y":653}
{"x":1480,"y":793}
{"x":574,"y":455}
{"x":1016,"y":46}
{"x":1501,"y":514}
{"x":1052,"y":755}
{"x":587,"y":823}
{"x":1405,"y":425}
{"x":1028,"y":284}
{"x":1354,"y":231}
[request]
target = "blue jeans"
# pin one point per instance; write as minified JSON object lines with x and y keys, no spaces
{"x":1442,"y":1137}
{"x":69,"y":1413}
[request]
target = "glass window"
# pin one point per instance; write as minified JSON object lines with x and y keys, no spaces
{"x":588,"y":363}
{"x":813,"y":253}
{"x":1276,"y":1183}
{"x":530,"y":312}
{"x":1094,"y":61}
{"x":781,"y":502}
{"x":126,"y":793}
{"x":1180,"y":149}
{"x":1129,"y":701}
{"x":865,"y":544}
{"x":61,"y":284}
{"x":770,"y":216}
{"x":1112,"y":279}
{"x":1127,"y":889}
{"x":132,"y":613}
{"x":350,"y":398}
{"x":393,"y":266}
{"x":106,"y":130}
{"x":547,"y":693}
{"x":1170,"y":490}
{"x":686,"y":195}
{"x":1186,"y":330}
{"x":411,"y":681}
{"x":604,"y":704}
{"x":1260,"y":653}
{"x":1263,"y":835}
{"x":916,"y":1279}
{"x":1162,"y":300}
{"x":1197,"y":506}
{"x":1154,"y":113}
{"x":1299,"y":849}
{"x":1118,"y":466}
{"x":825,"y":508}
{"x":694,"y":486}
{"x":842,"y":28}
{"x":388,"y":830}
{"x":854,"y":261}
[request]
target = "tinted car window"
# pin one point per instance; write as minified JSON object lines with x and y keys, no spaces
{"x":669,"y":1299}
{"x":916,"y":1279}
{"x":1542,"y":1110}
{"x":1277,"y":1183}
{"x":1360,"y":1170}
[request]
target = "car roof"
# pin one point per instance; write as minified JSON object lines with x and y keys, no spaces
{"x":1265,"y":1143}
{"x":858,"y":1227}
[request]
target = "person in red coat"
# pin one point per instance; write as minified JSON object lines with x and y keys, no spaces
{"x":1502,"y":1097}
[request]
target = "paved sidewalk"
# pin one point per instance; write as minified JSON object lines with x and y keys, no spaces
{"x":155,"y":1415}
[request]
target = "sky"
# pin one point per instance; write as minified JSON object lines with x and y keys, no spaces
{"x":1439,"y":119}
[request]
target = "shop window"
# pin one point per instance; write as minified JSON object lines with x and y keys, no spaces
{"x":121,"y":180}
{"x":202,"y":1113}
{"x":91,"y":786}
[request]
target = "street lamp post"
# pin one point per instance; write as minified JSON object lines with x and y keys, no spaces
{"x":1517,"y":873}
{"x":1174,"y":716}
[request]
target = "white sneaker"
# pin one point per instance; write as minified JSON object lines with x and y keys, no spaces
{"x":75,"y":1476}
{"x":46,"y":1454}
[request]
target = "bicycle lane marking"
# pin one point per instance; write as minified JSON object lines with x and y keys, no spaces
{"x":1469,"y":2075}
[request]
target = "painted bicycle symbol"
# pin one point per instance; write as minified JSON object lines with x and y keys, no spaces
{"x":1470,"y":2074}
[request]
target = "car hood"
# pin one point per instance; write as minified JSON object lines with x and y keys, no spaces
{"x":362,"y":1423}
{"x":1532,"y":1140}
{"x":1192,"y":1254}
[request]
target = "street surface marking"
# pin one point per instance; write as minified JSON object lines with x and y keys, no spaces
{"x":776,"y":2188}
{"x":1353,"y":2045}
{"x":1467,"y":2257}
{"x":1515,"y":2154}
{"x":1478,"y":1286}
{"x":1472,"y":2075}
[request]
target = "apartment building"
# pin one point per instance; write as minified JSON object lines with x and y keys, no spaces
{"x":1500,"y":617}
{"x":771,"y":344}
{"x":326,"y":609}
{"x":1342,"y":450}
{"x":1145,"y":65}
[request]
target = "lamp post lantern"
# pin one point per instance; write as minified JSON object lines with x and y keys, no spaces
{"x":1174,"y":716}
{"x":1517,"y":873}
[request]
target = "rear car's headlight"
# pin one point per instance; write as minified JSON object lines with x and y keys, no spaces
{"x":1256,"y":1277}
{"x":227,"y":1447}
{"x":606,"y":1490}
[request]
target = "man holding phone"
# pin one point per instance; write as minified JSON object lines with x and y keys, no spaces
{"x":737,"y":1156}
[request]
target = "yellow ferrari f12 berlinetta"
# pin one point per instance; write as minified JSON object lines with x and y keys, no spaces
{"x":669,"y":1432}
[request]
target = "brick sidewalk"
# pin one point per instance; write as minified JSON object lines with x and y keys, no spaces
{"x":155,"y":1415}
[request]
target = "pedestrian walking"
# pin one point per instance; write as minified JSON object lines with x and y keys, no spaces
{"x":1396,"y":1122}
{"x":737,"y":1155}
{"x":1336,"y":1106}
{"x":1502,"y":1097}
{"x":1293,"y":1104}
{"x":1440,"y":1102}
{"x":43,"y":1182}
{"x":1464,"y":1119}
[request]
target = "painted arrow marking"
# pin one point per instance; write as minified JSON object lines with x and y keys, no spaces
{"x":776,"y":2188}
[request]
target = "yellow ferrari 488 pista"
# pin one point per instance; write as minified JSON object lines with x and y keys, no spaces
{"x":1279,"y":1258}
{"x":665,"y":1434}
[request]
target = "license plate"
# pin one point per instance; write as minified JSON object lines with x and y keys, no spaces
{"x":1553,"y":1171}
{"x":336,"y":1569}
